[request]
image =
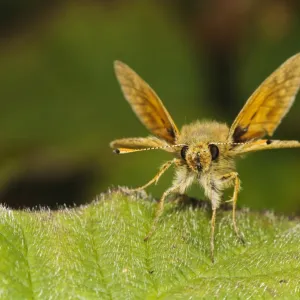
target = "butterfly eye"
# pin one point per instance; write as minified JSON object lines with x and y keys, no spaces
{"x":214,"y":151}
{"x":183,"y":151}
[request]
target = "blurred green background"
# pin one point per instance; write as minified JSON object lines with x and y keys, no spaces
{"x":61,"y":104}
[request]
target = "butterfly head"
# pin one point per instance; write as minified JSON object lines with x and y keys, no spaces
{"x":199,"y":157}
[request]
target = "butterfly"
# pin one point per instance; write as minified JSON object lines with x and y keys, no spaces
{"x":205,"y":152}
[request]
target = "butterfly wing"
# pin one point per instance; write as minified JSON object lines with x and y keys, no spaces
{"x":128,"y":145}
{"x":267,"y":106}
{"x":146,"y":104}
{"x":262,"y":145}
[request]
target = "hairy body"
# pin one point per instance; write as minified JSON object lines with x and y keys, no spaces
{"x":199,"y":135}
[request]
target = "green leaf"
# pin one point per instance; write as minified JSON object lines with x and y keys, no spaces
{"x":97,"y":252}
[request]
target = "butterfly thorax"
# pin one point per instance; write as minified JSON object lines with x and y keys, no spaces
{"x":206,"y":131}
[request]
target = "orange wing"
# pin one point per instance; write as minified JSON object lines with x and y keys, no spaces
{"x":129,"y":145}
{"x":263,"y":145}
{"x":146,"y":104}
{"x":139,"y":143}
{"x":270,"y":102}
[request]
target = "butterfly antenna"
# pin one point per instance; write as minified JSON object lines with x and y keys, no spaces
{"x":229,"y":143}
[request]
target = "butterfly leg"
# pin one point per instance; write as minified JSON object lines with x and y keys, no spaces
{"x":159,"y":210}
{"x":155,"y":179}
{"x":180,"y":184}
{"x":212,"y":234}
{"x":237,"y":185}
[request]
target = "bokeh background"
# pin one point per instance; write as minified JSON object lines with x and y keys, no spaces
{"x":61,"y":104}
